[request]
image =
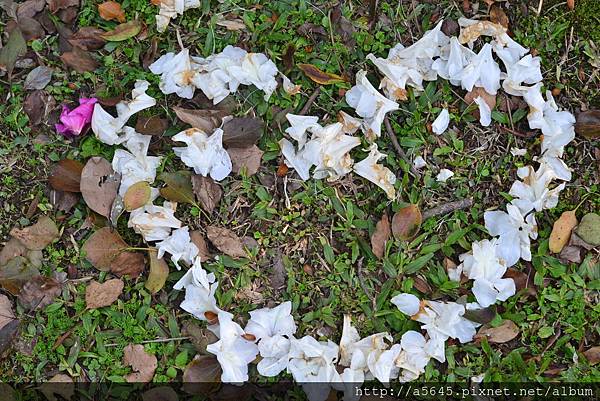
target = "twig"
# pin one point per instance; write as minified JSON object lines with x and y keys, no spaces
{"x":447,"y":208}
{"x":158,"y":340}
{"x":540,"y":5}
{"x":518,"y":133}
{"x":398,"y":148}
{"x":361,"y":280}
{"x":310,"y":101}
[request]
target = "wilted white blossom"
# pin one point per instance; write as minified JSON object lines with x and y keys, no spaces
{"x":154,"y":223}
{"x":171,"y":9}
{"x":204,"y":153}
{"x":534,"y":191}
{"x":180,"y":246}
{"x":381,"y":176}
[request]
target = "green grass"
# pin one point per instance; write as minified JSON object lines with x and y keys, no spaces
{"x":324,"y":236}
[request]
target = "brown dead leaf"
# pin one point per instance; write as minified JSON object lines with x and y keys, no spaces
{"x":130,"y":264}
{"x":478,"y":91}
{"x":55,"y":5}
{"x":66,"y":175}
{"x":162,"y":393}
{"x":64,"y":201}
{"x":102,"y":248}
{"x":205,"y":120}
{"x":570,"y":254}
{"x":11,"y":250}
{"x":226,"y":241}
{"x":202,"y":375}
{"x":247,"y":159}
{"x":380,"y":236}
{"x":592,"y":355}
{"x":179,"y":186}
{"x":504,"y":333}
{"x":6,"y":312}
{"x":99,"y":185}
{"x":199,"y":337}
{"x":123,"y":31}
{"x":319,"y":76}
{"x":522,"y":280}
{"x":242,"y":132}
{"x":30,"y":8}
{"x":422,"y":285}
{"x":79,"y":60}
{"x":88,"y":38}
{"x":39,"y":292}
{"x":571,"y":4}
{"x":207,"y":192}
{"x":588,"y":124}
{"x":37,"y":236}
{"x":288,"y":57}
{"x":309,"y":29}
{"x":16,"y":273}
{"x":137,"y":195}
{"x":235,"y":24}
{"x":99,"y":295}
{"x":153,"y":125}
{"x":38,"y":105}
{"x":198,"y":239}
{"x":142,"y":363}
{"x":498,"y":16}
{"x":406,"y":222}
{"x":148,"y":57}
{"x":159,"y":271}
{"x":31,"y":29}
{"x":111,"y":11}
{"x":561,"y":231}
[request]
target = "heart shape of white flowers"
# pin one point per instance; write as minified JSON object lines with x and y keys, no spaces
{"x":270,"y":331}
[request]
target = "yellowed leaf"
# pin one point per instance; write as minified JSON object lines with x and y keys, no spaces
{"x":137,"y":195}
{"x":319,"y":76}
{"x":561,"y":231}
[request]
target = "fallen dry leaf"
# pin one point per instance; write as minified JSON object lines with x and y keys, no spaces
{"x":570,"y":254}
{"x":479,"y":91}
{"x":588,"y":124}
{"x":198,"y":239}
{"x":66,"y":175}
{"x":130,"y":264}
{"x":319,"y":76}
{"x":6,"y":312}
{"x":38,"y":78}
{"x":56,"y":5}
{"x":11,"y":250}
{"x":162,"y":393}
{"x":592,"y":355}
{"x":242,"y":132}
{"x":99,"y":295}
{"x":64,"y":201}
{"x":111,"y":10}
{"x":561,"y":231}
{"x":37,"y":236}
{"x":13,"y":49}
{"x":30,"y":8}
{"x":199,"y":337}
{"x":504,"y":333}
{"x":39,"y":292}
{"x":406,"y":222}
{"x":99,"y":185}
{"x":153,"y":125}
{"x":202,"y":375}
{"x":498,"y":16}
{"x":88,"y":38}
{"x":207,"y":191}
{"x":205,"y":120}
{"x":247,"y":159}
{"x":522,"y":281}
{"x":179,"y":187}
{"x":79,"y":60}
{"x":16,"y":273}
{"x":142,"y":363}
{"x":232,"y":24}
{"x":137,"y":195}
{"x":422,"y":285}
{"x":38,"y":105}
{"x":226,"y":241}
{"x":159,"y":271}
{"x":380,"y":236}
{"x":102,"y":247}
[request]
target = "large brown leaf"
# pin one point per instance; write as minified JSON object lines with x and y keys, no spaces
{"x":99,"y":295}
{"x":79,"y":60}
{"x":151,"y":125}
{"x":137,"y":195}
{"x":103,"y":247}
{"x":16,"y":273}
{"x":202,"y":375}
{"x":142,"y":363}
{"x":14,"y":48}
{"x":198,"y":239}
{"x":11,"y":250}
{"x":205,"y":120}
{"x":56,"y":5}
{"x":6,"y":312}
{"x":88,"y":38}
{"x":130,"y":264}
{"x":226,"y":241}
{"x":247,"y":159}
{"x":39,"y":292}
{"x":507,"y":331}
{"x":588,"y":124}
{"x":380,"y":236}
{"x":99,"y":185}
{"x":406,"y":222}
{"x":123,"y":31}
{"x":242,"y":132}
{"x":37,"y":236}
{"x":207,"y":191}
{"x":111,"y":10}
{"x":66,"y":175}
{"x":319,"y":76}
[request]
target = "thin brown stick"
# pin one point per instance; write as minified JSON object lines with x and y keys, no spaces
{"x":518,"y":133}
{"x":310,"y":101}
{"x":447,"y":208}
{"x":398,"y":148}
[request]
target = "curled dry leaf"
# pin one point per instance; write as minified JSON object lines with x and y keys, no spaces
{"x":202,"y":375}
{"x":504,"y":333}
{"x":123,"y":31}
{"x":37,"y":236}
{"x":179,"y":187}
{"x":198,"y":239}
{"x":99,"y":295}
{"x":207,"y":191}
{"x":561,"y":231}
{"x":159,"y":271}
{"x":380,"y":236}
{"x":247,"y":159}
{"x":137,"y":195}
{"x":498,"y":16}
{"x":226,"y":241}
{"x":111,"y":10}
{"x":242,"y":132}
{"x":319,"y":76}
{"x":406,"y":222}
{"x":99,"y":185}
{"x":39,"y":292}
{"x":142,"y":363}
{"x":79,"y":60}
{"x":66,"y":176}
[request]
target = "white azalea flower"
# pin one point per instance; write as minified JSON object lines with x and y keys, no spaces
{"x":526,"y":70}
{"x":411,"y":65}
{"x":482,"y":71}
{"x":369,"y":104}
{"x":204,"y":153}
{"x":312,"y":364}
{"x":200,"y":288}
{"x":440,"y":124}
{"x":534,"y":192}
{"x":176,"y":73}
{"x":413,"y":358}
{"x":419,"y":162}
{"x":268,"y":322}
{"x":349,"y":124}
{"x":376,"y":173}
{"x":289,"y":87}
{"x":109,"y":129}
{"x":275,"y":352}
{"x":256,"y":69}
{"x":406,"y":303}
{"x":454,"y":58}
{"x":485,"y":113}
{"x":514,"y":230}
{"x":484,"y":267}
{"x":295,"y":160}
{"x":443,"y":175}
{"x":299,"y":125}
{"x":170,"y":9}
{"x":233,"y":351}
{"x":329,"y":149}
{"x":180,"y":246}
{"x":154,"y":223}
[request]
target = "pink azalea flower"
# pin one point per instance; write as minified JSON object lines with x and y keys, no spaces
{"x":72,"y":122}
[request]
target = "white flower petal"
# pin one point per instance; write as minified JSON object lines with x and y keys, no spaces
{"x":407,"y":303}
{"x":443,"y":175}
{"x":485,"y":113}
{"x":381,"y":176}
{"x":440,"y":124}
{"x":180,"y":246}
